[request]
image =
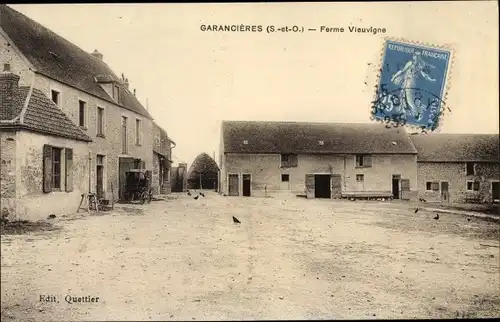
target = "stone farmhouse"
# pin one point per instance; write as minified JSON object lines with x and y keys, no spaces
{"x":320,"y":160}
{"x":458,"y":168}
{"x":69,"y":124}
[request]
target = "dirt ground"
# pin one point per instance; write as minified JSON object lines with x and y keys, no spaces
{"x":185,"y":259}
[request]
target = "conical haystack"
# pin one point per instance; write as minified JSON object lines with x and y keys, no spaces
{"x":203,"y":173}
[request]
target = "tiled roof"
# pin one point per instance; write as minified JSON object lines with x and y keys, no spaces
{"x":300,"y":137}
{"x":57,"y":58}
{"x":43,"y":116}
{"x":441,"y":147}
{"x":18,"y":98}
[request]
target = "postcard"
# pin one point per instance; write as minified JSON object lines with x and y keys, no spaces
{"x":249,"y":161}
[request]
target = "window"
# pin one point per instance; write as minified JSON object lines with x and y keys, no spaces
{"x":432,"y":186}
{"x":137,"y":132}
{"x":472,"y":185}
{"x":124,"y":135}
{"x":470,"y":169}
{"x":245,"y":142}
{"x":285,"y":178}
{"x":289,"y":160}
{"x":321,"y":142}
{"x":100,"y":121}
{"x":56,"y":168}
{"x":53,"y":161}
{"x":55,"y":97}
{"x":360,"y":178}
{"x":363,"y":161}
{"x":116,"y":93}
{"x":82,"y":113}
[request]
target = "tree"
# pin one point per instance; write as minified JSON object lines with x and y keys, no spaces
{"x":203,"y":173}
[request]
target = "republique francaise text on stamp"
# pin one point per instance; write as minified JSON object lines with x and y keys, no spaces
{"x":412,"y":86}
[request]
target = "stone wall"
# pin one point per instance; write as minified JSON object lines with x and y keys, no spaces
{"x":19,"y":66}
{"x":455,"y":174}
{"x":8,"y":142}
{"x":33,"y":203}
{"x":266,"y":172}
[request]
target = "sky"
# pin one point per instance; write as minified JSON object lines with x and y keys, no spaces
{"x":192,"y":79}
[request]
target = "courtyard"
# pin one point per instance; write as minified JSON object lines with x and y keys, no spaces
{"x":185,"y":259}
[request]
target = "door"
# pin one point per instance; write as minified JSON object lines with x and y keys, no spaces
{"x":124,"y":164}
{"x":100,"y":176}
{"x":336,"y":186}
{"x":495,"y":191}
{"x":310,"y":186}
{"x":360,"y":182}
{"x":285,"y":182}
{"x":395,"y":185}
{"x":405,"y":189}
{"x":247,"y":185}
{"x":445,"y":194}
{"x":322,"y":186}
{"x":233,"y":185}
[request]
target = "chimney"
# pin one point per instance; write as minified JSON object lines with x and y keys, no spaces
{"x":9,"y":83}
{"x":134,"y":91}
{"x":126,"y":83}
{"x":97,"y":54}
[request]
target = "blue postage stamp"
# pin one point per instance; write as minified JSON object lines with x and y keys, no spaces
{"x":412,"y":85}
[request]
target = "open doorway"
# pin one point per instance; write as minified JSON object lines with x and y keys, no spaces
{"x":495,"y":191}
{"x":247,"y":185}
{"x":445,"y":195}
{"x":100,"y":176}
{"x":396,"y":183}
{"x":322,"y":188}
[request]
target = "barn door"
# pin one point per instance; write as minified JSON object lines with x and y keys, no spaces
{"x":310,"y":186}
{"x":234,"y":183}
{"x":405,"y":189}
{"x":336,"y":186}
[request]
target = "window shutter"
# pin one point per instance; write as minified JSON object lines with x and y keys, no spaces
{"x":309,"y":181}
{"x":69,"y":170}
{"x":47,"y":168}
{"x":476,"y":185}
{"x":405,"y":184}
{"x":367,"y":161}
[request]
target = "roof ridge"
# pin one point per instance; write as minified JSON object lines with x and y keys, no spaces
{"x":74,"y":67}
{"x":27,"y":101}
{"x":301,"y":122}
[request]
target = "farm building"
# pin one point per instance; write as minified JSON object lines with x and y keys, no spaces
{"x":463,"y":168}
{"x":319,"y":160}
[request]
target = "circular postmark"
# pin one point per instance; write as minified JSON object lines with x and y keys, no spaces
{"x":414,"y":107}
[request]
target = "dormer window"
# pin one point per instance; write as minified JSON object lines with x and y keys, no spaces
{"x":245,"y":142}
{"x":321,"y":142}
{"x":55,"y":97}
{"x":116,"y":93}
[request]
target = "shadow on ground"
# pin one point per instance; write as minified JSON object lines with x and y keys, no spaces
{"x":24,"y":227}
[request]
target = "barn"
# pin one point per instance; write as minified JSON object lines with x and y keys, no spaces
{"x":317,"y":160}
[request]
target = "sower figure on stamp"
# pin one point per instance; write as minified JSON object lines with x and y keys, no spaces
{"x":407,"y":78}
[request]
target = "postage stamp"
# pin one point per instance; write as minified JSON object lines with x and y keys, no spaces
{"x":412,"y":85}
